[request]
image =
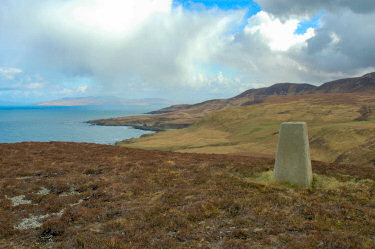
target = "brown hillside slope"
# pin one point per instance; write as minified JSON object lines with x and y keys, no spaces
{"x":100,"y":196}
{"x":181,"y":116}
{"x":341,"y":128}
{"x":351,"y":85}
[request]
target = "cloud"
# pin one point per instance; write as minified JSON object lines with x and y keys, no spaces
{"x":158,"y":46}
{"x":112,"y":16}
{"x":269,"y":51}
{"x":35,"y":85}
{"x":286,"y":8}
{"x":71,"y":92}
{"x":280,"y":35}
{"x":82,"y":89}
{"x":149,"y":47}
{"x":9,"y":72}
{"x":344,"y":43}
{"x":19,"y":85}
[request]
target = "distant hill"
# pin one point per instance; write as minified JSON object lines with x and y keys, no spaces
{"x":364,"y":83}
{"x":286,"y":89}
{"x":180,"y":116}
{"x":350,"y":85}
{"x":106,"y":100}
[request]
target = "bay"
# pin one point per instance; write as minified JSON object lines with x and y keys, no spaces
{"x":44,"y":124}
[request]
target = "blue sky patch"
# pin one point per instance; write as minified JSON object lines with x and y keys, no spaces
{"x":221,"y":4}
{"x":311,"y":23}
{"x":212,"y":69}
{"x":251,"y":5}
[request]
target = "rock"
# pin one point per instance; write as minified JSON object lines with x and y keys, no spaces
{"x":293,"y":164}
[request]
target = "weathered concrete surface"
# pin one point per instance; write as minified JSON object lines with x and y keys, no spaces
{"x":293,"y":164}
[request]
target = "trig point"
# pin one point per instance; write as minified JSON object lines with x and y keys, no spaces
{"x":293,"y":164}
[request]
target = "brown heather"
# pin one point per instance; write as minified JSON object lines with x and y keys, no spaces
{"x":116,"y":197}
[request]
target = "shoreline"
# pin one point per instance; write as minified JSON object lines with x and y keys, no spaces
{"x":136,"y":123}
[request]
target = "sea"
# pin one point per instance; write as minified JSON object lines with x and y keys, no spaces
{"x":44,"y":124}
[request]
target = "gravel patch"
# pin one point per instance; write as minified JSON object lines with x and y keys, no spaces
{"x":31,"y":222}
{"x":71,"y":192}
{"x":35,"y":221}
{"x":18,"y":200}
{"x":43,"y":191}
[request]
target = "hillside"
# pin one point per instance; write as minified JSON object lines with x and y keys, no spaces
{"x":351,"y":85}
{"x":341,"y":128}
{"x":181,"y":116}
{"x":68,"y":195}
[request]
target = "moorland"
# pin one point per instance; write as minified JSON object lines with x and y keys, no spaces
{"x":162,"y":193}
{"x":340,"y":116}
{"x":77,"y":195}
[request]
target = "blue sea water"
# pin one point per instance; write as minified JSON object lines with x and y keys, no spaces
{"x":44,"y":124}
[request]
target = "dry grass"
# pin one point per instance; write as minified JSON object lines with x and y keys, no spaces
{"x":115,"y":197}
{"x":341,"y":129}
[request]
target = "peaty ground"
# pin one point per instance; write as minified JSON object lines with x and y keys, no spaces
{"x":70,"y":195}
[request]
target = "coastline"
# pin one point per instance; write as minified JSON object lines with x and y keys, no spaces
{"x":143,"y":127}
{"x":149,"y":122}
{"x":44,"y":124}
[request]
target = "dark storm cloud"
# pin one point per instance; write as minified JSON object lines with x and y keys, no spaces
{"x":307,"y":7}
{"x":344,"y":43}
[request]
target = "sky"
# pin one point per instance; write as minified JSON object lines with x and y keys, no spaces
{"x":183,"y":51}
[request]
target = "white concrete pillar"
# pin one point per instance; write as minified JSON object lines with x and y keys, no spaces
{"x":293,"y":164}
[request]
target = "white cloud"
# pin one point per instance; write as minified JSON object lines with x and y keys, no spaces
{"x":81,"y":89}
{"x":148,"y":46}
{"x":9,"y":72}
{"x":66,"y":91}
{"x":35,"y":85}
{"x":160,"y":49}
{"x":280,"y":35}
{"x":201,"y":80}
{"x":113,"y":17}
{"x":78,"y":91}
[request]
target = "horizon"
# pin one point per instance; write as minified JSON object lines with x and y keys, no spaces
{"x":182,"y":51}
{"x":162,"y":101}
